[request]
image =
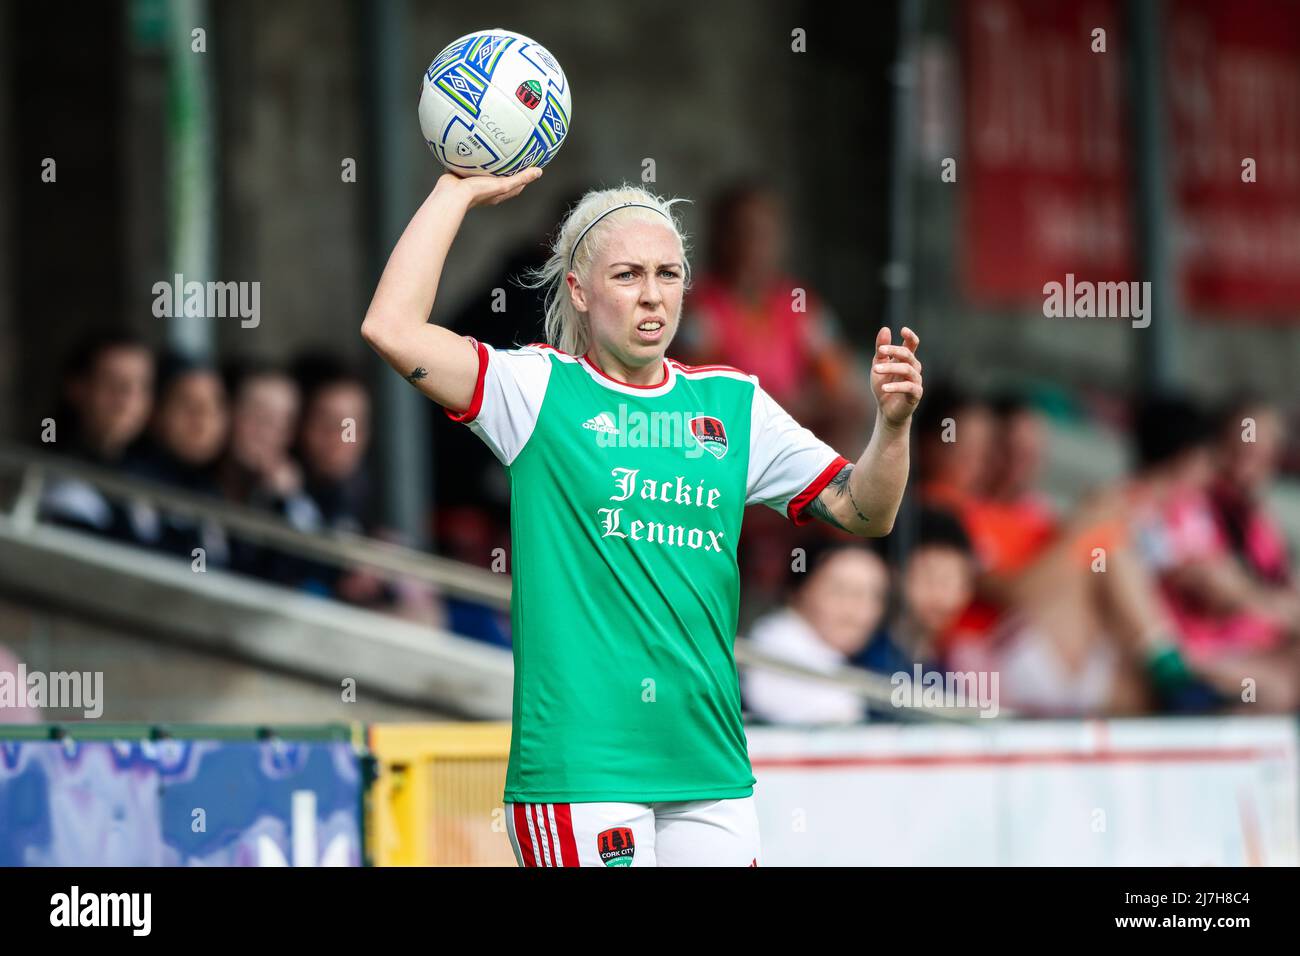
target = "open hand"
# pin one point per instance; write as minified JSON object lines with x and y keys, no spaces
{"x":489,"y":190}
{"x":896,"y":376}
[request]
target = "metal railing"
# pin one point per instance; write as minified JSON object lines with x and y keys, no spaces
{"x":338,"y":548}
{"x":35,"y":468}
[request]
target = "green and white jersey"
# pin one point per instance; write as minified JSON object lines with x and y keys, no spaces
{"x":626,"y":506}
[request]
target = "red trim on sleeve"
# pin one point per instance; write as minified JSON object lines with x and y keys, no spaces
{"x":794,"y":511}
{"x":475,"y":403}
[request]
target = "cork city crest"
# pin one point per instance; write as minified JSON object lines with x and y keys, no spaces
{"x":529,"y":93}
{"x":708,"y":431}
{"x":616,"y":846}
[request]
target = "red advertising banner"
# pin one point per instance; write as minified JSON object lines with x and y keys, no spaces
{"x":1232,"y":84}
{"x":1047,"y":165}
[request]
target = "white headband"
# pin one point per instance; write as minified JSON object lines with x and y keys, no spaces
{"x":623,"y":205}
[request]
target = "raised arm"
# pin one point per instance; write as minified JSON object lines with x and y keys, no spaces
{"x":437,"y":361}
{"x":863,"y":499}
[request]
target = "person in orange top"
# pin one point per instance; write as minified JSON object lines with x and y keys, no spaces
{"x":955,"y":444}
{"x":1092,"y":596}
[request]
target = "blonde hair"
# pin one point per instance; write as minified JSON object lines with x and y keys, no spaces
{"x":566,"y":328}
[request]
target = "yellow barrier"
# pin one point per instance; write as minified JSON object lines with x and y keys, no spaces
{"x":436,"y":799}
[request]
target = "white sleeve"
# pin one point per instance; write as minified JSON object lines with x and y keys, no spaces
{"x":788,"y":465}
{"x":507,"y":398}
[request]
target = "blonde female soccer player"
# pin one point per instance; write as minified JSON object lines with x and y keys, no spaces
{"x":629,"y":475}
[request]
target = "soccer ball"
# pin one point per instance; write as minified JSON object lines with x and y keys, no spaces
{"x":494,"y":103}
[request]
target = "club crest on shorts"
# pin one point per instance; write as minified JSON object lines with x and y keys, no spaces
{"x":616,"y":846}
{"x":708,"y":431}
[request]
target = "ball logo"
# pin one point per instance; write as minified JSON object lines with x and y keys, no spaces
{"x":462,"y":148}
{"x":616,"y":846}
{"x":708,"y":431}
{"x":530,"y":94}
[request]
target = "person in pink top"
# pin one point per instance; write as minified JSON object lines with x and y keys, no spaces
{"x":748,"y":310}
{"x":1245,"y":526}
{"x":1227,"y":579}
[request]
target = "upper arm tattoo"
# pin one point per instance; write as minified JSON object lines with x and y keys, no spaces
{"x":419,"y":373}
{"x":837,"y":487}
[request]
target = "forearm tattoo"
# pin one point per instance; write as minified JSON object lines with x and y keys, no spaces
{"x":418,"y":374}
{"x":839,"y":487}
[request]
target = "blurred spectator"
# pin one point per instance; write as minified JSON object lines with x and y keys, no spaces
{"x":1089,"y":633}
{"x":258,"y":471}
{"x":955,"y":436}
{"x":830,"y":612}
{"x":935,"y":586}
{"x":957,"y":440}
{"x":107,"y":391}
{"x":747,"y":311}
{"x":1247,"y":471}
{"x":333,"y":440}
{"x":744,"y":309}
{"x":1020,"y":512}
{"x":187,"y":435}
{"x":1224,"y":567}
{"x":258,"y":468}
{"x":1009,"y":519}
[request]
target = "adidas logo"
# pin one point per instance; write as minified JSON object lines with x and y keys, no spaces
{"x":601,"y":423}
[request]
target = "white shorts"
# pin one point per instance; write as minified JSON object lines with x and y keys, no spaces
{"x":687,"y":833}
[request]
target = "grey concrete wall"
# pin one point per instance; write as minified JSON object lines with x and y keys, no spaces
{"x":288,"y":96}
{"x":144,"y":181}
{"x":155,"y":681}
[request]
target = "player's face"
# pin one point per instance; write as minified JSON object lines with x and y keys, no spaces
{"x":633,"y":297}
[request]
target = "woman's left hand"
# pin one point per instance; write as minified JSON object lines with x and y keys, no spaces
{"x":896,"y":376}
